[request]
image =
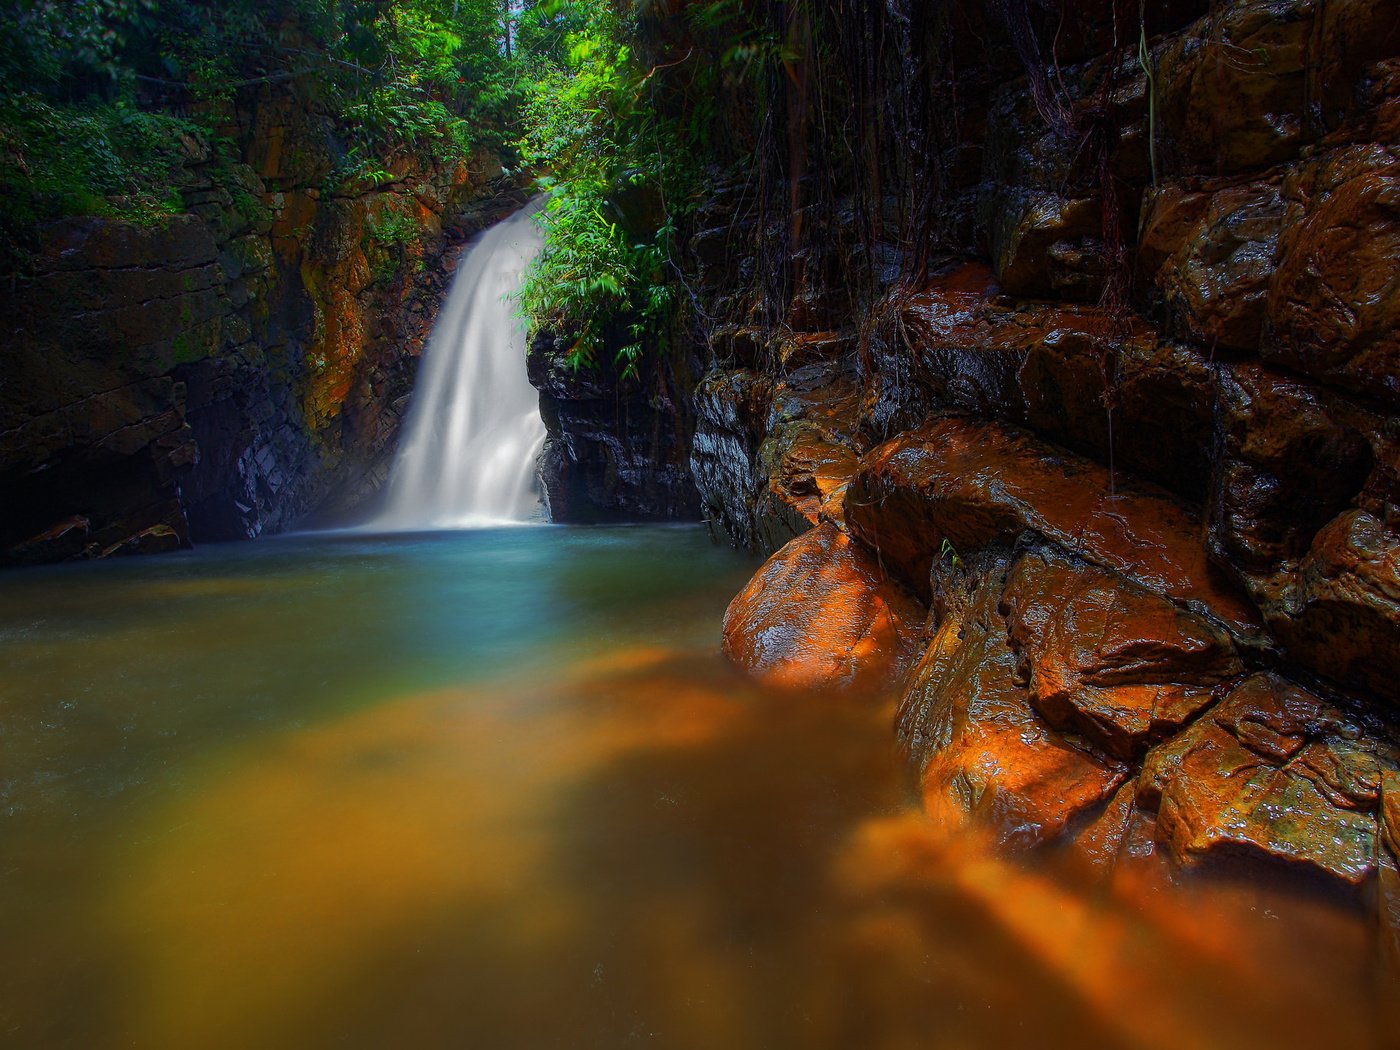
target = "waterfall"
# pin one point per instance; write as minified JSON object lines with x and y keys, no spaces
{"x":467,"y":453}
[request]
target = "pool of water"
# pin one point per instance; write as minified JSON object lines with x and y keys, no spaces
{"x":498,"y":789}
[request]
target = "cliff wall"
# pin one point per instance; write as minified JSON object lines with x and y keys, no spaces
{"x":1076,"y":432}
{"x":233,"y":370}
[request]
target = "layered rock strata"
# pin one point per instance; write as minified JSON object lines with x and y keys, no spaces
{"x":1144,"y":492}
{"x":237,"y":368}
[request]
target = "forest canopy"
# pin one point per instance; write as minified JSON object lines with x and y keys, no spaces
{"x":607,"y":103}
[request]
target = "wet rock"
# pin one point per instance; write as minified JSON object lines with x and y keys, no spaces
{"x":1334,"y":303}
{"x":811,"y":452}
{"x":1232,"y":91}
{"x":975,"y":485}
{"x":821,"y":614}
{"x":1056,"y":369}
{"x":731,"y":409}
{"x":1117,"y":663}
{"x":1048,"y":245}
{"x":1122,"y":836}
{"x":1288,"y":462}
{"x":1272,"y":772}
{"x":1389,"y":890}
{"x":1215,"y":284}
{"x":616,"y":445}
{"x":986,"y":756}
{"x":1339,"y":615}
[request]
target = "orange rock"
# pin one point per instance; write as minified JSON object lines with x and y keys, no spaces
{"x":1272,"y":772}
{"x":1389,"y":911}
{"x":1334,"y":303}
{"x":1116,"y":662}
{"x":820,"y":613}
{"x":1123,"y":834}
{"x":1215,"y":285}
{"x":978,"y":484}
{"x":987,"y":756}
{"x":1340,"y":615}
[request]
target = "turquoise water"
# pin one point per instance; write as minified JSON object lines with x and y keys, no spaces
{"x":499,"y":789}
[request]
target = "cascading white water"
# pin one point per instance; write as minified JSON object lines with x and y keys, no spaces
{"x":467,"y":453}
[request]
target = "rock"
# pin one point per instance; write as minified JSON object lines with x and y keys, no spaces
{"x":1389,"y":889}
{"x":1272,"y":772}
{"x":615,"y":449}
{"x":1113,"y":661}
{"x":1215,"y":284}
{"x":955,"y":345}
{"x":1123,"y":835}
{"x":1339,"y":615}
{"x":1288,"y":462}
{"x":985,"y":755}
{"x":1045,"y":244}
{"x":976,"y":485}
{"x":158,"y":539}
{"x":821,"y":614}
{"x":1232,"y":91}
{"x":811,"y":451}
{"x":1334,"y":302}
{"x":731,"y":409}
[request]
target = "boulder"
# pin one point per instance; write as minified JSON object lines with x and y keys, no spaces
{"x":1334,"y":302}
{"x":731,"y":421}
{"x":1339,"y":615}
{"x":1110,"y":660}
{"x":1272,"y":772}
{"x":976,"y":484}
{"x":821,"y":614}
{"x":1215,"y":284}
{"x":1288,"y":462}
{"x":986,"y":756}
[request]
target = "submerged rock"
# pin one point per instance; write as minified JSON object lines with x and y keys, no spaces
{"x":820,"y":613}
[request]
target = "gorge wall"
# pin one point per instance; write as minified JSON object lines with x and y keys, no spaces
{"x":1070,"y":414}
{"x":239,"y":367}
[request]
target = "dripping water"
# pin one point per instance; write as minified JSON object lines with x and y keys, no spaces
{"x":467,"y":454}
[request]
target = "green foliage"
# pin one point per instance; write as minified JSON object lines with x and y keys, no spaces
{"x":90,"y":91}
{"x":107,"y":159}
{"x":613,"y":176}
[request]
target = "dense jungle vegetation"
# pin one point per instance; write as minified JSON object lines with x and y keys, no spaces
{"x":103,"y":103}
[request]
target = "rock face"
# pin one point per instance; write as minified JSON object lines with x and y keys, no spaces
{"x":820,"y":614}
{"x":616,"y":445}
{"x":234,"y":370}
{"x":1116,"y":403}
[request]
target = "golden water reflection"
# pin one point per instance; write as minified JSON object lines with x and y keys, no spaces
{"x":645,"y":849}
{"x":626,"y":844}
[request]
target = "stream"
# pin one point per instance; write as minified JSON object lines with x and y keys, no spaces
{"x":498,"y":789}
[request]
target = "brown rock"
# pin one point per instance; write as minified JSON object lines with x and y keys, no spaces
{"x":987,"y":756}
{"x":1272,"y":772}
{"x":821,"y":614}
{"x":812,"y":450}
{"x":1340,"y":614}
{"x":1124,"y":833}
{"x":1046,"y":244}
{"x":1215,"y":285}
{"x":1334,"y":303}
{"x":1389,"y":911}
{"x":1288,"y":463}
{"x":978,"y":484}
{"x":1108,"y":659}
{"x":1232,"y":91}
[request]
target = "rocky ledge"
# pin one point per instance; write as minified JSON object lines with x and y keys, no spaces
{"x":1122,"y":557}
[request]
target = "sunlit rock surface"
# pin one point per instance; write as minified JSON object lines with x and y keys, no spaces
{"x":821,"y":613}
